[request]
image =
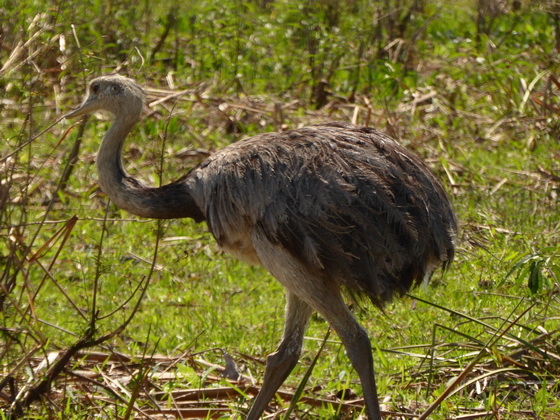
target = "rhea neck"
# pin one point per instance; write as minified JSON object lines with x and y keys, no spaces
{"x":168,"y":202}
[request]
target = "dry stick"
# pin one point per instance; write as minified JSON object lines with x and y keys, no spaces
{"x":433,"y":349}
{"x":99,"y":384}
{"x":122,"y":305}
{"x":17,"y":405}
{"x":484,"y":324}
{"x":36,"y":136}
{"x":15,"y":305}
{"x":49,"y":206}
{"x":86,"y":341}
{"x":87,"y":219}
{"x":57,"y":327}
{"x":140,"y":379}
{"x":67,"y":229}
{"x":10,"y":66}
{"x":10,"y":375}
{"x":173,"y":95}
{"x":471,"y":366}
{"x":24,"y":399}
{"x":27,"y":249}
{"x":73,"y":156}
{"x":171,"y":19}
{"x":62,"y":290}
{"x":94,"y":313}
{"x":432,"y":354}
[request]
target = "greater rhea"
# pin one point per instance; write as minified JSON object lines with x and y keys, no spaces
{"x":329,"y":210}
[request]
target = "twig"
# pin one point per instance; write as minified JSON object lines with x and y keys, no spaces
{"x":73,"y":156}
{"x":448,"y":391}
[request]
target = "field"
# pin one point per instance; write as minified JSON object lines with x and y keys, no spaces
{"x":105,"y":315}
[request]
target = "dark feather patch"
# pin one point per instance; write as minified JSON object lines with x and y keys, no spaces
{"x":348,"y":202}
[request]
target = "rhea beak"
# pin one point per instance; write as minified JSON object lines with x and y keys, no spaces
{"x":87,"y":107}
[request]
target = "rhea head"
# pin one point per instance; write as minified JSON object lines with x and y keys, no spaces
{"x":116,"y":94}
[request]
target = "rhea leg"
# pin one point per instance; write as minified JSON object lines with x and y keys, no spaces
{"x":280,"y":363}
{"x":356,"y":341}
{"x":322,"y":295}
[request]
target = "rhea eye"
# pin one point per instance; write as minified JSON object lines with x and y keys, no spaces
{"x":114,"y":89}
{"x":95,"y":88}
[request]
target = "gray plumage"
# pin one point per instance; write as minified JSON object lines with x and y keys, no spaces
{"x":349,"y":202}
{"x":326,"y":209}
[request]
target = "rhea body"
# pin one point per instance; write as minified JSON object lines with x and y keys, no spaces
{"x":326,"y":209}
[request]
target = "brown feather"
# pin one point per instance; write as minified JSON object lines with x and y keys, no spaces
{"x":348,"y":201}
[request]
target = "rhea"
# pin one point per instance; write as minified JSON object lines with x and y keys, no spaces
{"x":333,"y":211}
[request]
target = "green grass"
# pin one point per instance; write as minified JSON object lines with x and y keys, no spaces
{"x":490,"y":132}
